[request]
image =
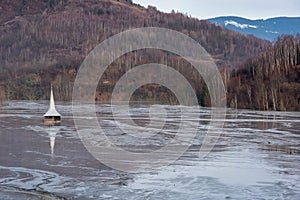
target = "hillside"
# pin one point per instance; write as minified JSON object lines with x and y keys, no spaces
{"x":269,"y":29}
{"x":270,"y":81}
{"x":46,"y":41}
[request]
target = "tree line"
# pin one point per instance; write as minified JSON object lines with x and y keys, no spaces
{"x":270,"y":81}
{"x":48,"y":40}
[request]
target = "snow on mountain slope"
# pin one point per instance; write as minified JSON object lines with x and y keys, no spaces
{"x":236,"y":24}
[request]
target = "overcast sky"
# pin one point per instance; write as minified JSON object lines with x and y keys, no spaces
{"x":203,"y":9}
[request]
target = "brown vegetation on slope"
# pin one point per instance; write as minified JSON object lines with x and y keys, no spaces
{"x":46,"y":41}
{"x":270,"y":81}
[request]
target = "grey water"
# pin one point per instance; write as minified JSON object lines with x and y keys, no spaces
{"x":257,"y":156}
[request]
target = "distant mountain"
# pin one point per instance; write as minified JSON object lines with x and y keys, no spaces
{"x":269,"y":29}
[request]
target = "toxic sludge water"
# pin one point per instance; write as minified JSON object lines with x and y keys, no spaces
{"x":256,"y":157}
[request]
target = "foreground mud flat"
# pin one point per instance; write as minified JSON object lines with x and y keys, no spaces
{"x":257,"y":156}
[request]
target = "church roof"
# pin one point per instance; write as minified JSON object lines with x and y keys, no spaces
{"x":52,"y":111}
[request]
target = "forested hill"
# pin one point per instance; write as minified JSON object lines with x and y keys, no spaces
{"x":270,"y":81}
{"x":45,"y":41}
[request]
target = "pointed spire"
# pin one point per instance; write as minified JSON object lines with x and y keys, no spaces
{"x":52,"y":104}
{"x":52,"y":111}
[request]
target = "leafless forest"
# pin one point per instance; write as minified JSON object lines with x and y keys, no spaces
{"x":45,"y":42}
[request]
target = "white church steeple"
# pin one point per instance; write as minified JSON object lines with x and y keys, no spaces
{"x":52,"y":115}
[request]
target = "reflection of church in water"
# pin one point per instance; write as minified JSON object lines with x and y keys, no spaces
{"x":52,"y":118}
{"x":52,"y":131}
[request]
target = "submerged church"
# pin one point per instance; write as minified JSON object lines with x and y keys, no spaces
{"x":52,"y":117}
